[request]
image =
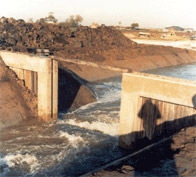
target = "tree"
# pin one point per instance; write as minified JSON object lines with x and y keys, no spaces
{"x":78,"y":19}
{"x":134,"y":25}
{"x":73,"y":21}
{"x":41,"y":20}
{"x":49,"y":19}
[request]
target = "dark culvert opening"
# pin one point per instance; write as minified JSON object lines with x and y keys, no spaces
{"x":73,"y":92}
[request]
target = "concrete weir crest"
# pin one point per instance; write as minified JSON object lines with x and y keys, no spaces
{"x":40,"y":75}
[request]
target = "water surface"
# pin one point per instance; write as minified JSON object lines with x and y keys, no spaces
{"x":78,"y":141}
{"x":187,"y":72}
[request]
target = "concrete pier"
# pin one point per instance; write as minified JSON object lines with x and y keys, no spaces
{"x":152,"y":106}
{"x":40,"y":74}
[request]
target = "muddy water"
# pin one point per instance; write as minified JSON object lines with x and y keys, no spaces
{"x":78,"y":141}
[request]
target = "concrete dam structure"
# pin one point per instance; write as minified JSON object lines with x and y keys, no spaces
{"x":40,"y":75}
{"x":154,"y":106}
{"x":150,"y":105}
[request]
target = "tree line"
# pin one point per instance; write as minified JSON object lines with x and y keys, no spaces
{"x":72,"y":21}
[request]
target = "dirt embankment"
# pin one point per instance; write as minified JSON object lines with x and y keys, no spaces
{"x":17,"y":103}
{"x":103,"y":46}
{"x":155,"y":57}
{"x":110,"y":51}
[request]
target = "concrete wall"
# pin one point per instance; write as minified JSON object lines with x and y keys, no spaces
{"x":30,"y":78}
{"x":153,"y":106}
{"x":40,"y":75}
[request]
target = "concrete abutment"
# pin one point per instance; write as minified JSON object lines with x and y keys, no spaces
{"x":154,"y":106}
{"x":40,"y":75}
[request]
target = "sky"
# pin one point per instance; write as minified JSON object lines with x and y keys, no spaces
{"x":148,"y":13}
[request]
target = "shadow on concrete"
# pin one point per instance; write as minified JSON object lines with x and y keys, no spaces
{"x":194,"y":100}
{"x":68,"y":88}
{"x":149,"y":113}
{"x":73,"y":91}
{"x":152,"y":133}
{"x":143,"y":163}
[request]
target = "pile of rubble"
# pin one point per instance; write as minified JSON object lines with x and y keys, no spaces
{"x":104,"y":45}
{"x":19,"y":36}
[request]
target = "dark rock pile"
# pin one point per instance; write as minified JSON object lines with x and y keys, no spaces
{"x":103,"y":45}
{"x":19,"y":36}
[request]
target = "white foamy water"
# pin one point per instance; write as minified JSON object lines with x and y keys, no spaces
{"x":71,"y":145}
{"x":106,"y":128}
{"x":11,"y":160}
{"x":108,"y":91}
{"x":76,"y":143}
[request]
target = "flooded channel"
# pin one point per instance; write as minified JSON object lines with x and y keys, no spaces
{"x":78,"y":141}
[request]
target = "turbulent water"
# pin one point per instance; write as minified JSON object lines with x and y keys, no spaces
{"x":78,"y":141}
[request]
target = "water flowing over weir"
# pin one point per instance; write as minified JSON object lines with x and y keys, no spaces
{"x":77,"y":142}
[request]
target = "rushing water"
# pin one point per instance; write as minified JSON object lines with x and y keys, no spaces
{"x":78,"y":141}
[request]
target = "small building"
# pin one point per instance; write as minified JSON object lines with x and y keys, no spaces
{"x":94,"y":25}
{"x":193,"y":37}
{"x":175,"y":28}
{"x":189,"y":30}
{"x":143,"y":34}
{"x":50,"y":21}
{"x":168,"y":35}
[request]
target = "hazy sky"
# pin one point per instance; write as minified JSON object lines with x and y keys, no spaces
{"x":148,"y":13}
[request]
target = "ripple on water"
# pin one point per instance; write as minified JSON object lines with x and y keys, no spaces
{"x":78,"y":142}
